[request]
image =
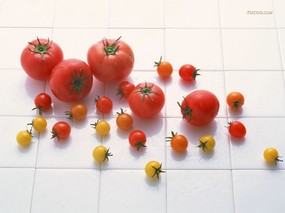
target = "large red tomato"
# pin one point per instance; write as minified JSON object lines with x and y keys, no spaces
{"x":110,"y":60}
{"x":146,"y":100}
{"x":200,"y":107}
{"x":39,"y":57}
{"x":71,"y":80}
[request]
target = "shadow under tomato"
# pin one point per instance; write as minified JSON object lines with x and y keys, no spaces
{"x":237,"y":141}
{"x":179,"y":156}
{"x":150,"y":126}
{"x":137,"y":153}
{"x":207,"y":155}
{"x":34,"y":87}
{"x":62,"y":144}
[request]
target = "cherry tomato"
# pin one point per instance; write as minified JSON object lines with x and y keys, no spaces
{"x":125,"y":88}
{"x":61,"y":130}
{"x":137,"y":139}
{"x":78,"y":112}
{"x":207,"y":143}
{"x":110,"y":60}
{"x":42,"y":102}
{"x":153,"y":169}
{"x":188,"y":72}
{"x":237,"y":129}
{"x":271,"y":155}
{"x":102,"y":128}
{"x":235,"y":100}
{"x":163,"y":68}
{"x":39,"y":124}
{"x":104,"y":104}
{"x":200,"y":107}
{"x":178,"y":142}
{"x":39,"y":57}
{"x":146,"y":100}
{"x":71,"y":80}
{"x":124,"y":120}
{"x":24,"y":138}
{"x":101,"y":153}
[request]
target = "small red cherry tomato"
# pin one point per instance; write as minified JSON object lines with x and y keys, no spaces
{"x":42,"y":102}
{"x":61,"y":130}
{"x":104,"y":104}
{"x":237,"y":129}
{"x":137,"y":139}
{"x":188,"y":72}
{"x":125,"y":88}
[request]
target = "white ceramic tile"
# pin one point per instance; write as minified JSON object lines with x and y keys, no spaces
{"x":248,"y":49}
{"x":30,"y":13}
{"x":281,"y":35}
{"x":70,"y":190}
{"x":191,"y":14}
{"x":86,"y":13}
{"x":279,"y":7}
{"x":142,"y":195}
{"x":247,"y":153}
{"x":259,"y":99}
{"x":16,"y":187}
{"x":199,"y":191}
{"x":270,"y":199}
{"x":201,"y":47}
{"x":136,"y":14}
{"x":247,"y":14}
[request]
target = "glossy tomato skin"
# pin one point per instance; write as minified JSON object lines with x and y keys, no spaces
{"x":42,"y":102}
{"x":200,"y":107}
{"x":61,"y":130}
{"x":188,"y":72}
{"x":110,"y":60}
{"x":39,"y":66}
{"x":71,"y":80}
{"x":237,"y":129}
{"x":146,"y":100}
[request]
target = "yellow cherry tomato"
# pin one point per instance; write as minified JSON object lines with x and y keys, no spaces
{"x":153,"y":169}
{"x":271,"y":155}
{"x":207,"y":143}
{"x":102,"y":128}
{"x":39,"y":124}
{"x":101,"y":153}
{"x":24,"y":138}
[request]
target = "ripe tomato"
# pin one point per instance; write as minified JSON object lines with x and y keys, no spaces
{"x":125,"y":88}
{"x":178,"y":142}
{"x":153,"y":169}
{"x":137,"y":139}
{"x":78,"y":112}
{"x":110,"y":60}
{"x":39,"y":57}
{"x":102,"y":128}
{"x":124,"y":120}
{"x":24,"y":138}
{"x":101,"y":153}
{"x":39,"y":124}
{"x":207,"y":143}
{"x":236,"y":129}
{"x":271,"y":155}
{"x":235,"y":100}
{"x":71,"y":80}
{"x":163,"y":68}
{"x":61,"y":130}
{"x":42,"y":102}
{"x":146,"y":100}
{"x":104,"y":104}
{"x":199,"y":108}
{"x":188,"y":72}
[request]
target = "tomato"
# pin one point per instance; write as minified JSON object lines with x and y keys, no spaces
{"x":124,"y":120}
{"x":178,"y":142}
{"x":164,"y":68}
{"x":78,"y":112}
{"x":39,"y":57}
{"x":146,"y":100}
{"x":102,"y":128}
{"x":104,"y":104}
{"x":199,"y":108}
{"x":235,"y":100}
{"x":188,"y":72}
{"x":153,"y":169}
{"x":236,"y":129}
{"x":271,"y":155}
{"x":125,"y":88}
{"x":24,"y":138}
{"x":137,"y":139}
{"x":207,"y":143}
{"x":71,"y":80}
{"x":61,"y":130}
{"x":42,"y":102}
{"x":110,"y":60}
{"x":101,"y":153}
{"x":39,"y":124}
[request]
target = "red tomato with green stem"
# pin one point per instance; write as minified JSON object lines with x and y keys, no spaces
{"x":42,"y":102}
{"x":110,"y":60}
{"x":188,"y":72}
{"x":137,"y":139}
{"x":146,"y":100}
{"x":39,"y":57}
{"x":164,"y":68}
{"x":104,"y":104}
{"x":199,"y":107}
{"x":125,"y":88}
{"x":61,"y":130}
{"x":236,"y":129}
{"x":71,"y":80}
{"x":235,"y":100}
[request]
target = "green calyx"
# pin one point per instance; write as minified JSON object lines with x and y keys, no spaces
{"x":140,"y":144}
{"x":107,"y":154}
{"x":111,"y":49}
{"x":78,"y":82}
{"x":146,"y":91}
{"x":171,"y":137}
{"x":157,"y":171}
{"x":237,"y":104}
{"x":40,"y":48}
{"x":187,"y":112}
{"x":277,"y":160}
{"x":203,"y":145}
{"x":156,"y":64}
{"x":195,"y":73}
